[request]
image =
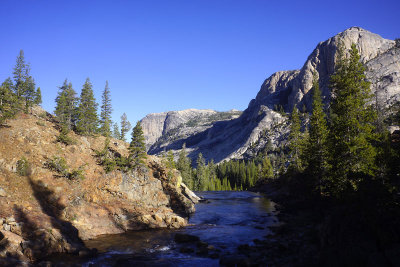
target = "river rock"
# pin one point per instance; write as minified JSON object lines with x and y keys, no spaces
{"x":186,"y":250}
{"x":234,"y":260}
{"x":186,"y":238}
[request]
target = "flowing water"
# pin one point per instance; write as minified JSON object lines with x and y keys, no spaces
{"x":225,"y":220}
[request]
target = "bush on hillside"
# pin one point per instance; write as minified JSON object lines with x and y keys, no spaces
{"x":23,"y":167}
{"x":59,"y":165}
{"x":64,"y":138}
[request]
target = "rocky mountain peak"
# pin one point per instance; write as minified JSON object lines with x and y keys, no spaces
{"x":290,"y":88}
{"x":235,"y":137}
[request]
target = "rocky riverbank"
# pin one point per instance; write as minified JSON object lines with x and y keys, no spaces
{"x":44,"y":212}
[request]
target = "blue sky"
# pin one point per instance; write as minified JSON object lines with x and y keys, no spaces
{"x":161,"y":55}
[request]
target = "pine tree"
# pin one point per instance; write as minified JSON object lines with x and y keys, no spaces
{"x":116,"y":133}
{"x":316,"y":154}
{"x":137,"y":148}
{"x":29,"y":93}
{"x":106,"y":110}
{"x":295,"y":141}
{"x":184,"y":165}
{"x":38,"y":97}
{"x":7,"y":101}
{"x":170,"y":160}
{"x":21,"y":74}
{"x":211,"y":175}
{"x":125,"y":126}
{"x":66,"y":105}
{"x":352,"y":124}
{"x":87,"y":122}
{"x":267,"y":171}
{"x":200,"y":173}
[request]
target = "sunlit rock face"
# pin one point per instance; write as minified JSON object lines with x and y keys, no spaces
{"x":244,"y":136}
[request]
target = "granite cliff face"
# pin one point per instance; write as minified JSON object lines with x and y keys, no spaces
{"x":289,"y":88}
{"x":243,"y":136}
{"x":44,"y":212}
{"x":160,"y":129}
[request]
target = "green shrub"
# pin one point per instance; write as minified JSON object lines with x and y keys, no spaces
{"x":77,"y":173}
{"x":112,"y":160}
{"x":40,"y":123}
{"x":23,"y":167}
{"x":59,"y":165}
{"x":43,"y":115}
{"x":64,"y":138}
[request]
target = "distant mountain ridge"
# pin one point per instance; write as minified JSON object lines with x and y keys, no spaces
{"x":159,"y":128}
{"x":240,"y":137}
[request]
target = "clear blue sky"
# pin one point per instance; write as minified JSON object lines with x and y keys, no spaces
{"x":161,"y":55}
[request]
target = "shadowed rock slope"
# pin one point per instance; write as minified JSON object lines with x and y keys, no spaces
{"x":244,"y":136}
{"x":42,"y":212}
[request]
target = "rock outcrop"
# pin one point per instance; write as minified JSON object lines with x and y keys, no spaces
{"x":245,"y":135}
{"x":44,"y":212}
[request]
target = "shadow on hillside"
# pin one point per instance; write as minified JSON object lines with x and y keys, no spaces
{"x":62,"y":237}
{"x":28,"y":232}
{"x":50,"y":205}
{"x":3,"y":243}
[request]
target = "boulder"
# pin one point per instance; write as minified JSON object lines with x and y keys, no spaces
{"x":186,"y":238}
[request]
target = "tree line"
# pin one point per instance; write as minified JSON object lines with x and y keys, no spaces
{"x":234,"y":175}
{"x":78,"y":114}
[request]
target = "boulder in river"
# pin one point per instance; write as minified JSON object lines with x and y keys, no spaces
{"x":186,"y":238}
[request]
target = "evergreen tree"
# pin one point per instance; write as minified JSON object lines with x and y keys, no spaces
{"x":137,"y":148}
{"x":38,"y":97}
{"x":184,"y":165}
{"x":106,"y":110}
{"x":267,"y":171}
{"x":211,"y":176}
{"x":200,"y":173}
{"x":170,"y":160}
{"x":87,"y":122}
{"x":29,"y":93}
{"x":7,"y":101}
{"x":21,"y":74}
{"x":125,"y":126}
{"x":66,"y":105}
{"x":295,"y":141}
{"x":116,"y":133}
{"x":352,"y":124}
{"x":316,"y":154}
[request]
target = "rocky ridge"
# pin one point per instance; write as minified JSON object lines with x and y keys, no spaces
{"x":260,"y":122}
{"x":160,"y":129}
{"x":42,"y":212}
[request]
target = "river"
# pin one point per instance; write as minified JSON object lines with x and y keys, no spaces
{"x":224,"y":221}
